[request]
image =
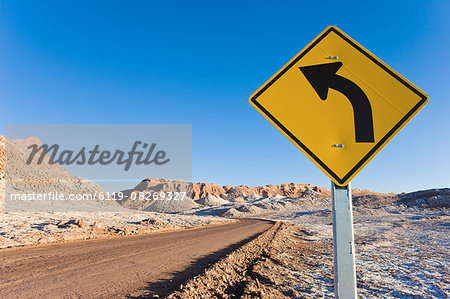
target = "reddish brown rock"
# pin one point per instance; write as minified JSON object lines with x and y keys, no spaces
{"x":201,"y":190}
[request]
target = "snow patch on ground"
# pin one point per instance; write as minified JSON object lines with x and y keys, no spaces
{"x":399,"y":254}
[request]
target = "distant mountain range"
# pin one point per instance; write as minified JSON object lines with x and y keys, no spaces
{"x":195,"y":191}
{"x":223,"y":195}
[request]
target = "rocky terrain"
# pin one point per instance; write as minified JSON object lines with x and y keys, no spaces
{"x":397,"y":256}
{"x":201,"y":190}
{"x":402,"y":242}
{"x":25,"y":228}
{"x":208,"y":199}
{"x":246,"y":201}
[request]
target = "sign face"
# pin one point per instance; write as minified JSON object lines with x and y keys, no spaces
{"x":338,"y":103}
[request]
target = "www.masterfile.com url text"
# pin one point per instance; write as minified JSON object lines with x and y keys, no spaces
{"x":57,"y":196}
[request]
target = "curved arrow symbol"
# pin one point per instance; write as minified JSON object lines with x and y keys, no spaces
{"x":323,"y":76}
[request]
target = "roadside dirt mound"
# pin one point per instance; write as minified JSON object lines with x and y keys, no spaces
{"x":280,"y":263}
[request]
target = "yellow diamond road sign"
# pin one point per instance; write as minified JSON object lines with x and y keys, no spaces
{"x":338,"y":103}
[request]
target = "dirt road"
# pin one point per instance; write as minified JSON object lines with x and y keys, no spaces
{"x":127,"y":266}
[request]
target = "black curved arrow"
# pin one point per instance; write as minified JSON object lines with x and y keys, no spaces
{"x":323,"y":76}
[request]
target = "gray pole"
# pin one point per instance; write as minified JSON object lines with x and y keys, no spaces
{"x":344,"y":245}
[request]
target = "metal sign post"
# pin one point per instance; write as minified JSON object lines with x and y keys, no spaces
{"x":344,"y":245}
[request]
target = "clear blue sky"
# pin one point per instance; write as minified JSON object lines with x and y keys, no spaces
{"x":197,"y":62}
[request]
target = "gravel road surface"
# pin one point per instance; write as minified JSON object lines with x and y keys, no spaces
{"x":120,"y":267}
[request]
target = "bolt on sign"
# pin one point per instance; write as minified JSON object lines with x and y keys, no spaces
{"x":338,"y":103}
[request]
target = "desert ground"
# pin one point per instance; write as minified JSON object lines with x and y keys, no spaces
{"x":402,"y":243}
